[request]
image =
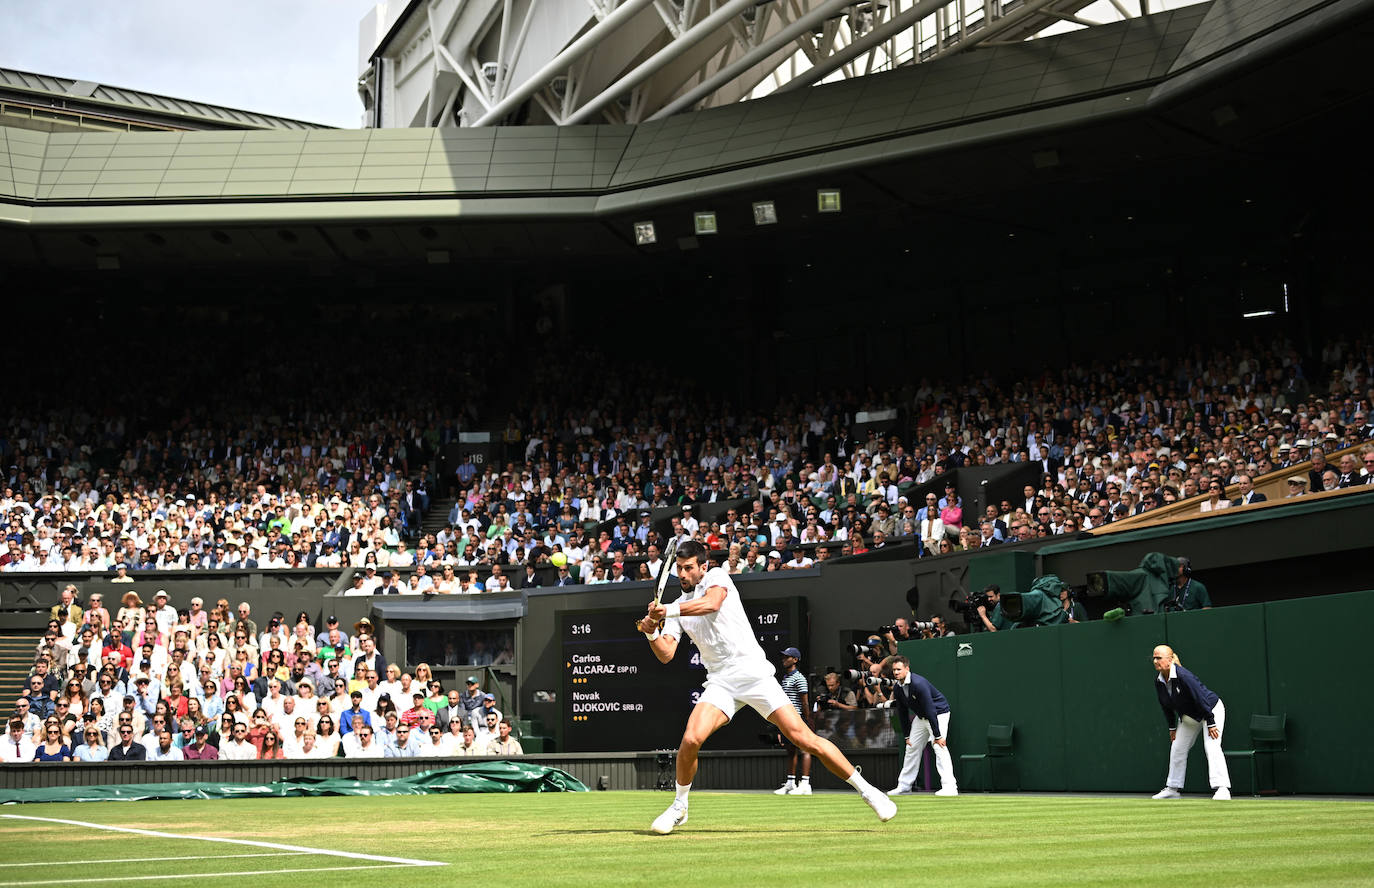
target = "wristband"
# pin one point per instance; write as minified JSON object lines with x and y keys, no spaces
{"x":673,"y":610}
{"x":655,"y":636}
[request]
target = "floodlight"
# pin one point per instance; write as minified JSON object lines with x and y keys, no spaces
{"x":704,"y":222}
{"x":828,"y":200}
{"x":765,"y":213}
{"x":645,"y":234}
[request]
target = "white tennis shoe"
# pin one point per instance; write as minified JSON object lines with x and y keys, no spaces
{"x":1222,"y":794}
{"x":1167,"y":792}
{"x":946,"y":791}
{"x":801,"y":789}
{"x":785,"y":788}
{"x":675,"y":816}
{"x":884,"y":807}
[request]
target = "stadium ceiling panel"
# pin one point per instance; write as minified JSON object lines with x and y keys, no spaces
{"x":459,"y":63}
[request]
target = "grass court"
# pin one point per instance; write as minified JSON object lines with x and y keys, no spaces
{"x":602,"y":838}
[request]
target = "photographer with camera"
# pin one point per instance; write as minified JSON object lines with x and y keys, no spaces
{"x":924,"y":715}
{"x":1188,"y":593}
{"x":900,"y":630}
{"x":835,"y":695}
{"x":989,"y":610}
{"x":873,"y":690}
{"x":871,"y":653}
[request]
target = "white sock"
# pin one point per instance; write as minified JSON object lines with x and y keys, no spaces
{"x":857,"y":781}
{"x":806,"y":779}
{"x":791,"y":780}
{"x":682,"y":790}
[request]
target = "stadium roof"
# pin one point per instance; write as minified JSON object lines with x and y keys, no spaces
{"x":55,"y":103}
{"x":1185,"y":95}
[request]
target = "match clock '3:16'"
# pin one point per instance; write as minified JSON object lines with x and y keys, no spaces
{"x":617,"y":696}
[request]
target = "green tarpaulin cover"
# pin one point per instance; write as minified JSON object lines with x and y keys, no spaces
{"x":1040,"y":606}
{"x":476,"y":777}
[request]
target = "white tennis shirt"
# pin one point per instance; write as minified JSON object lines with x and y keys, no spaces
{"x":729,"y":649}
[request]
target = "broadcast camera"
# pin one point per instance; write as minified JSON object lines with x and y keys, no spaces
{"x":1144,"y":590}
{"x":1040,"y":606}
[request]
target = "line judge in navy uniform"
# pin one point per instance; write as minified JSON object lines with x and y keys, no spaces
{"x":1190,"y":708}
{"x":924,"y":713}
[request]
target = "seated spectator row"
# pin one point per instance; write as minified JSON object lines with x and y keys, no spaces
{"x":156,"y":684}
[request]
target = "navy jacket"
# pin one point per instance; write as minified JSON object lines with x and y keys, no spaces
{"x":918,"y":698}
{"x":1184,"y":694}
{"x":136,"y":752}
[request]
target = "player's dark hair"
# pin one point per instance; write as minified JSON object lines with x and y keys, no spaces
{"x":899,"y":659}
{"x":692,"y":549}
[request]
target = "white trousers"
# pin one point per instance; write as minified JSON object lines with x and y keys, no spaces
{"x":915,"y":746}
{"x":1184,"y":738}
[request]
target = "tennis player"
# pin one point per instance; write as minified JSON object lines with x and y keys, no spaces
{"x":738,"y":674}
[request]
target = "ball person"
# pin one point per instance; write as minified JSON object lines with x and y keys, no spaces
{"x":1189,"y":707}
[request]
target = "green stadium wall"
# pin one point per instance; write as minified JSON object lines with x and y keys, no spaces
{"x":1086,"y":715}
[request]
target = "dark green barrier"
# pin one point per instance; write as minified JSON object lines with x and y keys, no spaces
{"x":1087,"y":718}
{"x":1319,"y":672}
{"x":1027,"y":675}
{"x":1116,"y":735}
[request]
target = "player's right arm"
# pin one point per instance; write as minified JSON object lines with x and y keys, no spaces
{"x":663,"y":646}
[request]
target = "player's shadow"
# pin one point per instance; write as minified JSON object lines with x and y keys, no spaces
{"x":714,"y":832}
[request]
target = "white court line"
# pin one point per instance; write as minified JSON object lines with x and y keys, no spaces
{"x":312,"y":869}
{"x":351,"y":855}
{"x":153,"y":859}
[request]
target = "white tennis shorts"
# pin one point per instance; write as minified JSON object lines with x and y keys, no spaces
{"x":763,"y":694}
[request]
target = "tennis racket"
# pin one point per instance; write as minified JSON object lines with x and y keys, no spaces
{"x":669,"y":559}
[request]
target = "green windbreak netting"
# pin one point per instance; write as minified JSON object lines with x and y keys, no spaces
{"x":476,"y":777}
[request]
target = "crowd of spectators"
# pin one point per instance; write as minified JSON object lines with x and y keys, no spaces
{"x":577,"y":475}
{"x":578,"y":472}
{"x":153,"y":683}
{"x":1111,"y":440}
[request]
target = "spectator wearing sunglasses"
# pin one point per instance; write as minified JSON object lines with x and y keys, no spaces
{"x":1216,"y":498}
{"x":436,"y":743}
{"x":128,"y":749}
{"x":406,"y":742}
{"x":92,"y":747}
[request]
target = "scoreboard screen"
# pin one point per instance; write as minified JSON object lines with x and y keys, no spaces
{"x":616,"y":696}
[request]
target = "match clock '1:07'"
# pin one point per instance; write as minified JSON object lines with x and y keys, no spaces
{"x":617,"y":696}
